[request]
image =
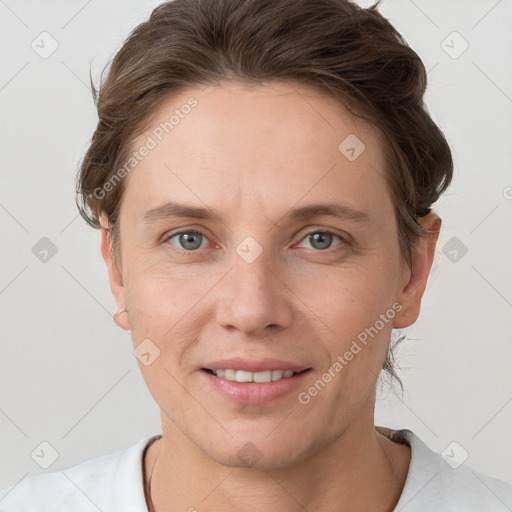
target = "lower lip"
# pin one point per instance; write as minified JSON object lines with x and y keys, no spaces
{"x":254,"y":393}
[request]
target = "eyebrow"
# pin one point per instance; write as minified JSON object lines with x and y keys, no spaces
{"x":173,"y":210}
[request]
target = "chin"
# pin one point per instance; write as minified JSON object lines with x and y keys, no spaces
{"x":254,"y":453}
{"x":258,"y":461}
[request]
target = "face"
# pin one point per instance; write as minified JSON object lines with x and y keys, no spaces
{"x":294,"y":258}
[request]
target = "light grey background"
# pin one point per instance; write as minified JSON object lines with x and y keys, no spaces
{"x":68,"y":374}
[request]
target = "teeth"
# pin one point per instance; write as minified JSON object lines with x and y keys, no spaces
{"x":277,"y":374}
{"x":229,"y":374}
{"x":261,"y":376}
{"x":244,"y":376}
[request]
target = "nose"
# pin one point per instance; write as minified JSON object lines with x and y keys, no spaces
{"x":254,"y":298}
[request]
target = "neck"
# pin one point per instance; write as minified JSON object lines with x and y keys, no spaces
{"x":360,"y":470}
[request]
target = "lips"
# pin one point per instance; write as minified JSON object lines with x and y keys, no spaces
{"x":256,"y":390}
{"x":254,"y":393}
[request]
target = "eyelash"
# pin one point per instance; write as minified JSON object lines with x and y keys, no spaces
{"x":192,"y":252}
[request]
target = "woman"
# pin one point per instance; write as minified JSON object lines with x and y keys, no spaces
{"x":263,"y":174}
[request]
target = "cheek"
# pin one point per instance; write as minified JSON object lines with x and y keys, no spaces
{"x":343,"y":299}
{"x":163,"y":316}
{"x":358,"y":310}
{"x":161,"y":294}
{"x":168,"y":308}
{"x":356,"y":307}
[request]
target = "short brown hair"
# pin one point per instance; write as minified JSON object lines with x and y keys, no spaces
{"x":351,"y":53}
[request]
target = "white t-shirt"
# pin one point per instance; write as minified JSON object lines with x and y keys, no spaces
{"x":114,"y":483}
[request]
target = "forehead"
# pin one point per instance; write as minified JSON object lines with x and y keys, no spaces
{"x":257,"y":147}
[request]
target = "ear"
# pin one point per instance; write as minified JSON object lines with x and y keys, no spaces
{"x":114,"y":274}
{"x":415,"y":278}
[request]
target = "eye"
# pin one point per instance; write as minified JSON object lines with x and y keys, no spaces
{"x":188,"y":240}
{"x":321,"y":240}
{"x":191,"y":241}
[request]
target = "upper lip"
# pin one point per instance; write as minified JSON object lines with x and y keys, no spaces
{"x":249,"y":365}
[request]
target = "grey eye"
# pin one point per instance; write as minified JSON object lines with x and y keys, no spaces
{"x":188,"y":240}
{"x":321,"y":240}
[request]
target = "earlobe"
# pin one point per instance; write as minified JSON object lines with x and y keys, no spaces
{"x":422,"y":258}
{"x":118,"y":320}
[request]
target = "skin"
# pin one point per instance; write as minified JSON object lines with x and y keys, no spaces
{"x":254,"y":152}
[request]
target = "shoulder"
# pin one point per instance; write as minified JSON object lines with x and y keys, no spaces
{"x":90,"y":485}
{"x":78,"y":486}
{"x":445,"y":483}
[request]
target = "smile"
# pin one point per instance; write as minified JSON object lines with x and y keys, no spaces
{"x":260,"y":377}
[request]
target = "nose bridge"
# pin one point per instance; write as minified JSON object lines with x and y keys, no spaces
{"x":253,"y":298}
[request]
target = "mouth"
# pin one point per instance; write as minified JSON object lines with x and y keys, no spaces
{"x":254,"y":389}
{"x":262,"y":377}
